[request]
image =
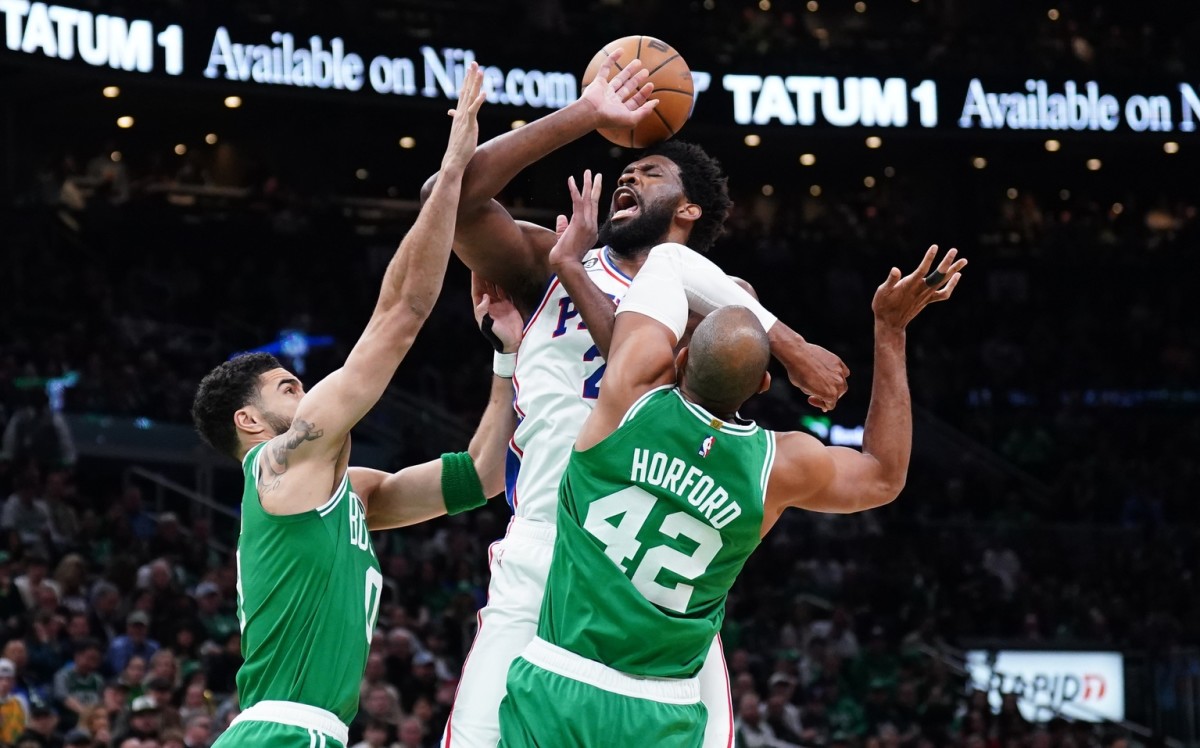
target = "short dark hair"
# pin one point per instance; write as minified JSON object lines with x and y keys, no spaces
{"x":705,"y":184}
{"x":222,"y":392}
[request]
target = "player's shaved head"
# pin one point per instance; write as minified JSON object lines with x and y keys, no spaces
{"x":726,"y":360}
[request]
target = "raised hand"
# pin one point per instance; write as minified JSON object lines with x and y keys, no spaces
{"x":577,"y":236}
{"x":464,"y":132}
{"x":624,"y":100}
{"x":820,"y":374}
{"x":492,"y":303}
{"x":899,"y":299}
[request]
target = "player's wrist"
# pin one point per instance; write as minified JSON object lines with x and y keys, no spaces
{"x":504,"y":364}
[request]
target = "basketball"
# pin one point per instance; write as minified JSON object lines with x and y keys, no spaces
{"x":672,"y":79}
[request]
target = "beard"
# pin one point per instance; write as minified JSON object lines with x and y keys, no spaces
{"x":279,"y":424}
{"x":647,"y":228}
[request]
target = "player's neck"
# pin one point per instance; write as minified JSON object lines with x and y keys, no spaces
{"x":629,"y":261}
{"x":723,"y":412}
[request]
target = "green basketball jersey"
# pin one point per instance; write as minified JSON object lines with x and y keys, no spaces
{"x":308,"y":597}
{"x":654,"y":524}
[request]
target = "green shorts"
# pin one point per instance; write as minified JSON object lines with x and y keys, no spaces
{"x":258,"y":734}
{"x":545,"y":709}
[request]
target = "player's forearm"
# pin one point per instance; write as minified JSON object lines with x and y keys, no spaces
{"x":887,"y":435}
{"x":489,"y":445}
{"x":414,"y":277}
{"x":595,"y":306}
{"x":502,"y":158}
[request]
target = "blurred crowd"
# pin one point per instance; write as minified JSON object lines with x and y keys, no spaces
{"x":1062,"y":383}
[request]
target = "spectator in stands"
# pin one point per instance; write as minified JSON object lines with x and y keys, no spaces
{"x":751,"y":729}
{"x":64,"y":519}
{"x":140,"y":521}
{"x":38,"y":434}
{"x":70,"y":576}
{"x":412,"y":733}
{"x":198,"y":732}
{"x":375,"y":735}
{"x":95,"y":725}
{"x":78,"y":685}
{"x":104,"y":610}
{"x":12,"y":603}
{"x":133,"y":643}
{"x":144,"y":722}
{"x":25,"y":519}
{"x":42,"y":730}
{"x":162,"y":692}
{"x":210,"y":611}
{"x":14,"y":710}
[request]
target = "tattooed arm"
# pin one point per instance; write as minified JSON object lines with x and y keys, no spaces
{"x":411,"y":284}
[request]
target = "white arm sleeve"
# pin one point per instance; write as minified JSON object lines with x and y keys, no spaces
{"x":708,"y":287}
{"x":657,"y":291}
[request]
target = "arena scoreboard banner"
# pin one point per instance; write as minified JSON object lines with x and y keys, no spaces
{"x":788,"y":98}
{"x":1086,"y":686}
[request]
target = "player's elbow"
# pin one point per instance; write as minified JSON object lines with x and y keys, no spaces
{"x":886,"y":490}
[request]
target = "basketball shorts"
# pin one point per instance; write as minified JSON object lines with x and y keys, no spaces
{"x":557,"y":698}
{"x":520,"y":564}
{"x":286,"y":725}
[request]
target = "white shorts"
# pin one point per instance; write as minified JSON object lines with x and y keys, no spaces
{"x":520,"y":564}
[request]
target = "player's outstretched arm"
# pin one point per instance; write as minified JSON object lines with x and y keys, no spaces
{"x":486,"y":237}
{"x":817,"y":372}
{"x":649,"y":323}
{"x":411,"y":285}
{"x":836,"y":479}
{"x":453,"y":483}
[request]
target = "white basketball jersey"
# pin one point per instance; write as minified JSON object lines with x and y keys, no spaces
{"x":557,"y":380}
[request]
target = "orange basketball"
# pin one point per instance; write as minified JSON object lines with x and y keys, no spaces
{"x":672,"y":79}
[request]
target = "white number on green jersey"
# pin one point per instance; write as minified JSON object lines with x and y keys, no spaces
{"x":620,"y":541}
{"x":374,"y":591}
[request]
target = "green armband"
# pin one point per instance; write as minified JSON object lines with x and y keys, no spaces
{"x":461,"y":488}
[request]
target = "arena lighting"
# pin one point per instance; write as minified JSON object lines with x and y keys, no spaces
{"x":180,"y":149}
{"x":979,"y":162}
{"x":807,"y":159}
{"x":815,"y":190}
{"x":752,"y":140}
{"x":812,"y":6}
{"x":868,"y":182}
{"x":408,"y":142}
{"x":362,"y":174}
{"x":1093,"y":164}
{"x":211,"y":138}
{"x":1053,"y":145}
{"x":233,"y":102}
{"x":125,"y":122}
{"x":1117,"y":209}
{"x":115,"y":157}
{"x":1064,"y":194}
{"x":860,"y":7}
{"x":111,"y":92}
{"x":874,"y":141}
{"x":768,"y":190}
{"x":516,"y":123}
{"x":1011,"y":192}
{"x":709,"y":4}
{"x":1052,"y":14}
{"x":889,"y":172}
{"x":1171,"y":147}
{"x":764,"y":4}
{"x":294,"y":345}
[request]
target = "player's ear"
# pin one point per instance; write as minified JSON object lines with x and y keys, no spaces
{"x":689,"y":212}
{"x":766,"y":382}
{"x":681,"y":363}
{"x":249,"y":420}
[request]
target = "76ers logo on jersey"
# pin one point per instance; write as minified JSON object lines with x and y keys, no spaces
{"x":706,"y":446}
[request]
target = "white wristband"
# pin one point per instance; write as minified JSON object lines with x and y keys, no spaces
{"x":504,"y":364}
